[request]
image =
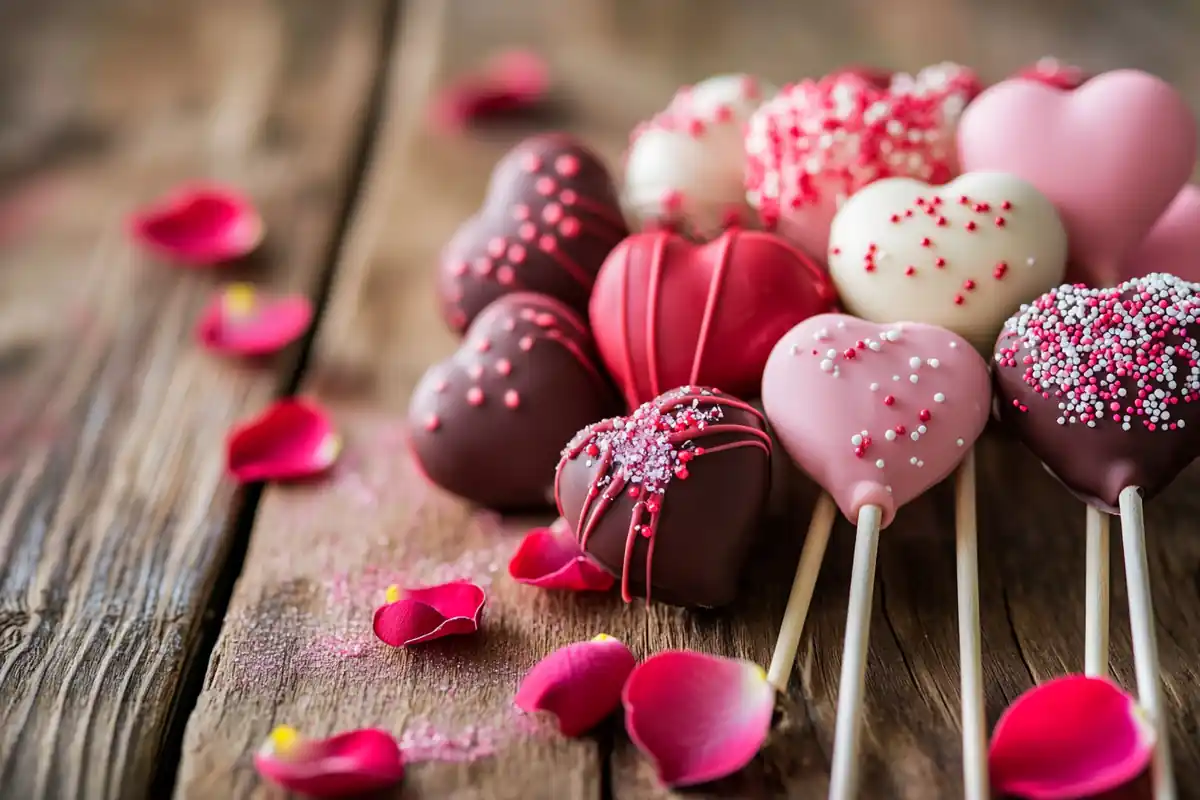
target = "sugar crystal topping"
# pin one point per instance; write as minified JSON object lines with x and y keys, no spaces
{"x":1126,"y":354}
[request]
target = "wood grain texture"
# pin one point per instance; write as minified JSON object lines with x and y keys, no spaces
{"x":297,"y":647}
{"x":115,"y":515}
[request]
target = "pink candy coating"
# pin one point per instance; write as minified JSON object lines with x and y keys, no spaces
{"x":1173,"y":245}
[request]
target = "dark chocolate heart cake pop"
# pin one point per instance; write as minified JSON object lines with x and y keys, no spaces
{"x":550,"y":218}
{"x":1101,"y":384}
{"x":488,"y":423}
{"x":670,"y":496}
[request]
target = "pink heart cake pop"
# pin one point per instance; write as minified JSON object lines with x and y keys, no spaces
{"x":1111,"y":155}
{"x":818,"y":142}
{"x":876,"y":414}
{"x":1173,"y":245}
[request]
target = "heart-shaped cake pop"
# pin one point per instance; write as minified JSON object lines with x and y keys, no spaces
{"x":876,"y":414}
{"x":550,"y":217}
{"x":818,"y":142}
{"x":1111,"y":155}
{"x":489,"y":422}
{"x":685,"y":168}
{"x":963,"y":256}
{"x":1102,"y":384}
{"x":667,"y":312}
{"x":669,"y":497}
{"x":1173,"y":245}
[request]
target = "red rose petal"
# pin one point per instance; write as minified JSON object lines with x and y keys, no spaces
{"x":291,"y":439}
{"x":698,"y":717}
{"x":199,"y":225}
{"x":1053,"y":72}
{"x":240,"y":321}
{"x":579,"y":684}
{"x":347,"y":764}
{"x":551,"y":559}
{"x":422,"y":615}
{"x":509,"y":83}
{"x":1072,"y":737}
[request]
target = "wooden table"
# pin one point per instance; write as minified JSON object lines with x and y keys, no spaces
{"x":156,"y":622}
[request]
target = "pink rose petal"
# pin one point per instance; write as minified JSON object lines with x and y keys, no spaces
{"x":579,"y":684}
{"x":422,"y":615}
{"x":697,"y":717}
{"x":1072,"y":737}
{"x":291,"y":439}
{"x":511,"y":82}
{"x":347,"y":764}
{"x":1055,"y":73}
{"x":551,"y":559}
{"x":240,"y":321}
{"x":199,"y":225}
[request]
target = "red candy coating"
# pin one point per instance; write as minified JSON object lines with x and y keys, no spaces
{"x":667,"y":312}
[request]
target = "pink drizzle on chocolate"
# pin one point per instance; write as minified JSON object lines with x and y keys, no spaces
{"x":644,"y":453}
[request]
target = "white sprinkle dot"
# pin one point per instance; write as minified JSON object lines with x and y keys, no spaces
{"x":915,"y":436}
{"x":895,"y":377}
{"x":959,"y":442}
{"x":831,"y":353}
{"x":953,"y":345}
{"x":933,"y":362}
{"x":890,"y":435}
{"x":914,"y":362}
{"x":939,"y":398}
{"x":913,"y":378}
{"x":913,"y":461}
{"x":921,"y":429}
{"x":879,"y":463}
{"x":856,"y":440}
{"x":874,"y":387}
{"x":826,"y":365}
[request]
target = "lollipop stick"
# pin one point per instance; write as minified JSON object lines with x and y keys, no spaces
{"x":974,"y":727}
{"x":1095,"y":641}
{"x":1145,"y":649}
{"x":811,"y":556}
{"x":844,"y":780}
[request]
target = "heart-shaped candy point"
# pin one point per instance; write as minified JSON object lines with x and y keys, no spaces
{"x":962,"y":256}
{"x":667,"y":312}
{"x":1173,"y":245}
{"x":818,"y":142}
{"x":876,"y":414}
{"x":488,"y":423}
{"x":669,"y":497}
{"x":685,"y":167}
{"x":550,"y":217}
{"x":1110,"y":155}
{"x":1102,"y":384}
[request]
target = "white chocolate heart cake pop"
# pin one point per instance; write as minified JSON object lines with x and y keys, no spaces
{"x":685,"y":167}
{"x":963,"y":256}
{"x":816,"y":143}
{"x":876,"y":414}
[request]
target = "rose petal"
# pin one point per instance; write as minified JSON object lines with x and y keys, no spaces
{"x":579,"y":684}
{"x":346,"y":764}
{"x":1053,"y":72}
{"x":698,"y":717}
{"x":291,"y":439}
{"x":551,"y":559}
{"x":1072,"y":737}
{"x":509,"y":83}
{"x":199,"y":225}
{"x":240,"y":321}
{"x":422,"y":615}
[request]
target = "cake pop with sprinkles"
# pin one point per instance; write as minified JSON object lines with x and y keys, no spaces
{"x":669,"y":497}
{"x":1102,"y":384}
{"x":685,"y":166}
{"x":818,"y":142}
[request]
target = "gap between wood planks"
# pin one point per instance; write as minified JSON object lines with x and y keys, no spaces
{"x":243,"y":518}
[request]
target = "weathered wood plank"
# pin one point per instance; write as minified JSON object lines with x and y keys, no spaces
{"x":297,"y":646}
{"x":115,"y":517}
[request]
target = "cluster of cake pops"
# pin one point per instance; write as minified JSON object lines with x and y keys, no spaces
{"x":842,"y":250}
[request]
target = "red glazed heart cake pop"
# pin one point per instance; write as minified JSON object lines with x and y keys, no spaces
{"x":1102,"y":384}
{"x":667,"y":312}
{"x":670,"y":496}
{"x":488,"y":423}
{"x":550,"y":217}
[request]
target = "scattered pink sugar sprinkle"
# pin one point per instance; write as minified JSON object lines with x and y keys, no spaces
{"x":424,"y":741}
{"x":366,"y":587}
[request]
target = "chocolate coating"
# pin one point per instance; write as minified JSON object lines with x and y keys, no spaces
{"x":550,"y":218}
{"x":488,"y":423}
{"x":674,"y":492}
{"x":1102,"y":384}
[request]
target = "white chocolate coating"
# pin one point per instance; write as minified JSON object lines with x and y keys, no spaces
{"x":685,"y":167}
{"x":963,"y":256}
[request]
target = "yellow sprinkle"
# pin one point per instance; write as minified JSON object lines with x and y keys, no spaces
{"x":329,"y":450}
{"x":284,"y":739}
{"x":239,"y":299}
{"x":760,"y":673}
{"x":392,"y":595}
{"x":602,"y":637}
